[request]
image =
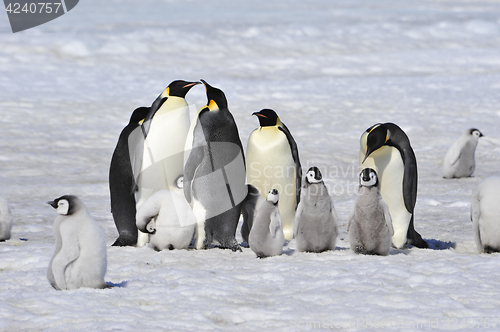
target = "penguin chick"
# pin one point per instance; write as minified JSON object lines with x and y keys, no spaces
{"x":80,"y":256}
{"x":316,"y":226}
{"x":459,"y":159}
{"x":485,"y":215}
{"x":5,"y":220}
{"x":369,"y":225}
{"x":266,"y":236}
{"x":168,"y":218}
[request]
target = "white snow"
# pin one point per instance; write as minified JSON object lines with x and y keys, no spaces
{"x":330,"y":69}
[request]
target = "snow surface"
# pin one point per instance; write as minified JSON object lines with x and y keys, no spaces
{"x":330,"y":69}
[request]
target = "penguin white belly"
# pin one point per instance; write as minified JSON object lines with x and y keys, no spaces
{"x":163,"y":155}
{"x":188,"y":146}
{"x":200,"y":214}
{"x":387,"y":162}
{"x":487,"y":226}
{"x":270,"y":165}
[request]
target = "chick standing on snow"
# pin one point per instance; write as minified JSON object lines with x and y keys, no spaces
{"x":459,"y":160}
{"x":80,"y":256}
{"x":168,"y":218}
{"x":369,"y":225}
{"x":485,"y":215}
{"x":266,"y":236}
{"x":5,"y":220}
{"x":315,"y":226}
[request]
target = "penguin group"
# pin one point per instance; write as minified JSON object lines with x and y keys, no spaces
{"x":221,"y":182}
{"x":179,"y":183}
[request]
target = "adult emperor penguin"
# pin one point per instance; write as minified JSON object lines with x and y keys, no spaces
{"x":485,"y":215}
{"x":266,"y":236}
{"x":459,"y":159}
{"x":165,"y":130}
{"x":122,"y":183}
{"x":168,"y":218}
{"x":5,"y":220}
{"x":273,"y":162}
{"x":369,"y":224}
{"x":80,"y":256}
{"x":386,"y":149}
{"x":315,"y":226}
{"x":214,"y":174}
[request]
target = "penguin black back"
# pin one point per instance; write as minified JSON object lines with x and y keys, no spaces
{"x":122,"y":183}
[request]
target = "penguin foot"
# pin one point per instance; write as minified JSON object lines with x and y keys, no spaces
{"x":360,"y":250}
{"x":418,"y":242}
{"x":489,"y":250}
{"x":234,"y":248}
{"x":122,"y":241}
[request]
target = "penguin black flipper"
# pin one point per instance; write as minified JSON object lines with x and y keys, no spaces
{"x":295,"y":156}
{"x":122,"y":182}
{"x":410,"y":182}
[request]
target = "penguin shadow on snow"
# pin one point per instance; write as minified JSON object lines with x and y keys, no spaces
{"x":433,"y":245}
{"x":122,"y":284}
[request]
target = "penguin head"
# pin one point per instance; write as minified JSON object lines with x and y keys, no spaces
{"x":139,"y":114}
{"x":178,"y":88}
{"x":378,"y":136}
{"x":65,"y":205}
{"x":474,"y":133}
{"x":273,"y":196}
{"x":179,"y":182}
{"x":368,"y":177}
{"x":216,"y":98}
{"x":313,"y":175}
{"x":267,"y":117}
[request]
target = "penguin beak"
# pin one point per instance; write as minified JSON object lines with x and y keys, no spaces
{"x":258,"y":114}
{"x":366,"y":155}
{"x":53,"y":204}
{"x":191,"y":85}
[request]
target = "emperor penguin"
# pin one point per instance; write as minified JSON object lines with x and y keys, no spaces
{"x":386,"y":149}
{"x":165,"y":130}
{"x":214,"y":174}
{"x":122,"y":183}
{"x":266,"y":236}
{"x":168,"y":218}
{"x":315,"y":226}
{"x":249,"y":209}
{"x":5,"y":220}
{"x":80,"y":256}
{"x":273,"y":162}
{"x":459,"y":159}
{"x":369,"y":224}
{"x":485,"y":215}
